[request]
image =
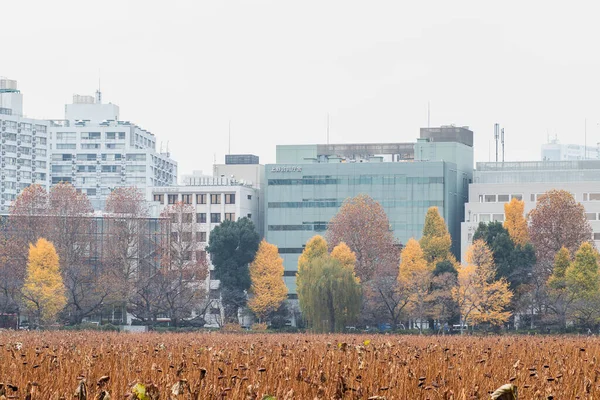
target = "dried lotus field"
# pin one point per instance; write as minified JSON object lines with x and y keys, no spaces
{"x":86,"y":365}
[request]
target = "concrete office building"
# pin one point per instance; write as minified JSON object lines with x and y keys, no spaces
{"x":96,"y":152}
{"x":309,"y":183}
{"x":24,"y":147}
{"x":494,"y":184}
{"x":246,"y":169}
{"x":214,"y":199}
{"x":555,"y":151}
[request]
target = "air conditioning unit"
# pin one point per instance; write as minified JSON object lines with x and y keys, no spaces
{"x":3,"y":152}
{"x":3,"y":140}
{"x":3,"y":129}
{"x":33,"y":167}
{"x":18,"y":142}
{"x":74,"y":162}
{"x":19,"y":130}
{"x":19,"y":179}
{"x":33,"y":156}
{"x":18,"y":167}
{"x":18,"y":155}
{"x":3,"y":165}
{"x":33,"y":132}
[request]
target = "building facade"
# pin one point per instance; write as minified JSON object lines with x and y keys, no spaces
{"x":555,"y":151}
{"x":24,"y":147}
{"x":305,"y":189}
{"x":495,"y":184}
{"x":214,"y":200}
{"x":96,"y":152}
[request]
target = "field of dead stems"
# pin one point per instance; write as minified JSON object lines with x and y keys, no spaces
{"x":93,"y":365}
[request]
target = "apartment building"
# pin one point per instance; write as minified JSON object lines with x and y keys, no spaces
{"x":96,"y":152}
{"x":24,"y":146}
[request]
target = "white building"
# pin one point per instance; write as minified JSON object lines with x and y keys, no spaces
{"x":214,"y":200}
{"x":24,"y":147}
{"x":555,"y":151}
{"x":495,"y":184}
{"x":96,"y":152}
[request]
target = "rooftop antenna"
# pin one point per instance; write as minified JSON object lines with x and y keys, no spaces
{"x":496,"y":137}
{"x":327,"y":128}
{"x":502,"y":139}
{"x":99,"y":92}
{"x":167,"y":148}
{"x":229,"y":151}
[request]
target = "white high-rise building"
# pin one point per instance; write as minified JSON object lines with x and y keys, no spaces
{"x":24,"y":155}
{"x":97,"y":152}
{"x":555,"y":151}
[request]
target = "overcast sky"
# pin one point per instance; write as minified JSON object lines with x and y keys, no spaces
{"x":183,"y":69}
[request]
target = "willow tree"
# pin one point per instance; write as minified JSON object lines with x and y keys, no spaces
{"x":328,"y":289}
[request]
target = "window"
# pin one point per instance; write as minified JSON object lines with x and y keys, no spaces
{"x":174,"y":236}
{"x":596,"y":236}
{"x":201,"y":199}
{"x":215,"y":218}
{"x":111,"y":135}
{"x":136,"y":157}
{"x":215,"y":199}
{"x":64,"y":146}
{"x":200,"y":255}
{"x":516,"y":196}
{"x":591,"y":216}
{"x":249,"y":197}
{"x":585,"y":197}
{"x":201,"y":218}
{"x":174,"y":217}
{"x":230,"y":199}
{"x":186,"y":236}
{"x":498,"y":217}
{"x":121,"y":135}
{"x":87,"y":146}
{"x":90,"y":135}
{"x":186,"y":218}
{"x":159,"y":197}
{"x":503,"y":198}
{"x":249,"y":215}
{"x":186,"y":198}
{"x":91,"y":192}
{"x":490,"y":198}
{"x":484,"y":217}
{"x":109,"y":168}
{"x":66,"y":135}
{"x":201,"y":236}
{"x":172,"y":198}
{"x":594,"y":196}
{"x":470,"y":237}
{"x":229,"y":216}
{"x":532,"y":198}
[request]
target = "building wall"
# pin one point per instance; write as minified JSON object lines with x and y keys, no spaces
{"x":24,"y":156}
{"x":245,"y":205}
{"x":495,"y":184}
{"x":301,"y":200}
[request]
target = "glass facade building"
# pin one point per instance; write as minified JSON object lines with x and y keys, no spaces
{"x":301,"y":198}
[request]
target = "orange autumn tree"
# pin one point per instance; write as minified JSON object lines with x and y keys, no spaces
{"x":415,"y":277}
{"x":266,"y":273}
{"x":481,"y":299}
{"x":436,"y":241}
{"x":515,"y":221}
{"x":362,"y":224}
{"x":43,"y":291}
{"x":344,"y":255}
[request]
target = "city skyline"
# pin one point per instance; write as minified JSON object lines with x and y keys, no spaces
{"x":183,"y":72}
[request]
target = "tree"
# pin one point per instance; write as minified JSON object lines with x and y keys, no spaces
{"x":232,"y":246}
{"x":12,"y":272}
{"x":363,"y":225}
{"x":582,"y":283}
{"x":344,"y":255}
{"x":441,"y":306}
{"x":266,"y":273}
{"x":43,"y":291}
{"x":515,"y":222}
{"x":557,"y":286}
{"x":481,"y":299}
{"x":28,"y":215}
{"x":415,"y":277}
{"x":557,"y":221}
{"x":316,"y":247}
{"x":69,"y":228}
{"x":436,"y":241}
{"x":329,"y":294}
{"x":183,"y":269}
{"x":127,"y":254}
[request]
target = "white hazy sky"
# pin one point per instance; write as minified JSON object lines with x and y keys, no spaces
{"x":183,"y":68}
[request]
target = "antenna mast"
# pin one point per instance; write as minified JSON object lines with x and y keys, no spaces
{"x":502,"y":139}
{"x":585,"y":139}
{"x":496,"y":137}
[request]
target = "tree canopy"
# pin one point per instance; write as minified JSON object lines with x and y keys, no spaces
{"x":266,"y":273}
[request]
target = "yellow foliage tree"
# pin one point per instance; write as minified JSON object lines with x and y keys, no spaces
{"x":481,"y":299}
{"x":344,"y":255}
{"x":436,"y":241}
{"x":316,"y":247}
{"x":415,"y":277}
{"x":266,"y":272}
{"x":515,"y":222}
{"x":43,"y":290}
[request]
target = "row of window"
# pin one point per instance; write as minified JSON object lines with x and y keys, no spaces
{"x":23,"y":138}
{"x":391,"y":203}
{"x":499,"y":198}
{"x":488,"y":218}
{"x":319,"y":226}
{"x":24,"y":126}
{"x":359,"y":180}
{"x":89,"y":135}
{"x":187,"y":236}
{"x":94,"y":157}
{"x":215,"y":218}
{"x":201,"y":198}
